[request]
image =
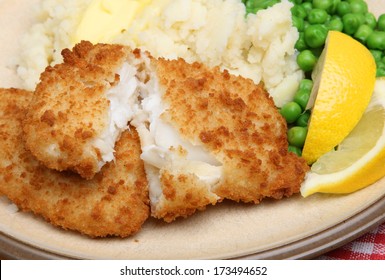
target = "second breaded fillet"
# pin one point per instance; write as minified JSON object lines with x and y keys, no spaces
{"x":238,"y":124}
{"x":81,"y":107}
{"x":114,"y":203}
{"x":209,"y":136}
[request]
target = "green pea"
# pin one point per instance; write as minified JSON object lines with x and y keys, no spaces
{"x":363,"y":33}
{"x":351,"y":23}
{"x":370,"y":20}
{"x":306,"y":84}
{"x":291,"y":111}
{"x":298,"y":23}
{"x":377,"y":55}
{"x":358,"y":7}
{"x":376,"y":40}
{"x":343,"y":8}
{"x":317,"y":16}
{"x":381,"y":22}
{"x":335,"y":24}
{"x":308,"y":6}
{"x":322,"y":4}
{"x":380,"y":64}
{"x":306,"y":60}
{"x":317,"y":51}
{"x":254,"y":6}
{"x":380,"y":72}
{"x":361,"y":18}
{"x":251,"y":4}
{"x":302,"y":97}
{"x":333,"y":8}
{"x":303,"y":120}
{"x":297,"y":136}
{"x":301,"y":45}
{"x":315,"y":35}
{"x":335,"y":17}
{"x":295,"y":150}
{"x":299,"y":11}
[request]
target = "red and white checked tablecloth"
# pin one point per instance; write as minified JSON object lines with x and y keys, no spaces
{"x":370,"y":246}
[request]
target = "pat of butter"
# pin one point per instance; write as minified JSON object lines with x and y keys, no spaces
{"x":105,"y":19}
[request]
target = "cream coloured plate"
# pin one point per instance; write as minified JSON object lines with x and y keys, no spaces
{"x":291,"y":228}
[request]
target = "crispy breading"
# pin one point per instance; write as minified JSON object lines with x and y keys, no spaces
{"x":70,"y":109}
{"x":232,"y":120}
{"x":237,"y":121}
{"x":107,"y":56}
{"x":114,"y":203}
{"x":182,"y":195}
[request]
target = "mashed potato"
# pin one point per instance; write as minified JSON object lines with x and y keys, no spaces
{"x":215,"y":32}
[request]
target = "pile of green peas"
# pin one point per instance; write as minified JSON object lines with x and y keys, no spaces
{"x":297,"y":117}
{"x":314,"y":19}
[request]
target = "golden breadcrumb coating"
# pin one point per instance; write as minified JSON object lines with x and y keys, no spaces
{"x":237,"y":121}
{"x":182,"y":195}
{"x":114,"y":203}
{"x":69,"y":109}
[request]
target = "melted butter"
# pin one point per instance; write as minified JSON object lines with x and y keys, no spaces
{"x":105,"y":19}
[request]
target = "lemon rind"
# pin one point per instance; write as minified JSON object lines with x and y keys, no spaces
{"x":314,"y":182}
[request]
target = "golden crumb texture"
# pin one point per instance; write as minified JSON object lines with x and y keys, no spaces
{"x":236,"y":121}
{"x":114,"y":203}
{"x":69,"y":109}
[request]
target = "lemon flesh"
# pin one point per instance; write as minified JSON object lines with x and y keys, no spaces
{"x":344,"y":79}
{"x":359,"y":160}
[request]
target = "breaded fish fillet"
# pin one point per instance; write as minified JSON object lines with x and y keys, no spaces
{"x":114,"y":203}
{"x":210,"y":136}
{"x":237,"y":122}
{"x":81,"y":107}
{"x":205,"y":135}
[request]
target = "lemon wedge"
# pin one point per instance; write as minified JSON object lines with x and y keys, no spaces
{"x":343,"y":79}
{"x":360,"y":158}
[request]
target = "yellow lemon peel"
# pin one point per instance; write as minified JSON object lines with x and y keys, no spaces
{"x":344,"y":79}
{"x":359,"y":160}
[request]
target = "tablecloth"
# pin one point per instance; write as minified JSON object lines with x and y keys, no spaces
{"x":370,"y":246}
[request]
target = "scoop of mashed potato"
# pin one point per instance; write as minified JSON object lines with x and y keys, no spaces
{"x":217,"y":32}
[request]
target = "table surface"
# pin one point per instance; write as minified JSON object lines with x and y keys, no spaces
{"x":370,"y":246}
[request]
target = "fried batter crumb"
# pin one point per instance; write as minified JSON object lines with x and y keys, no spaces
{"x":114,"y":203}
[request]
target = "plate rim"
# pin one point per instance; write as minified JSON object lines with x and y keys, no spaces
{"x":306,"y":248}
{"x":329,"y":239}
